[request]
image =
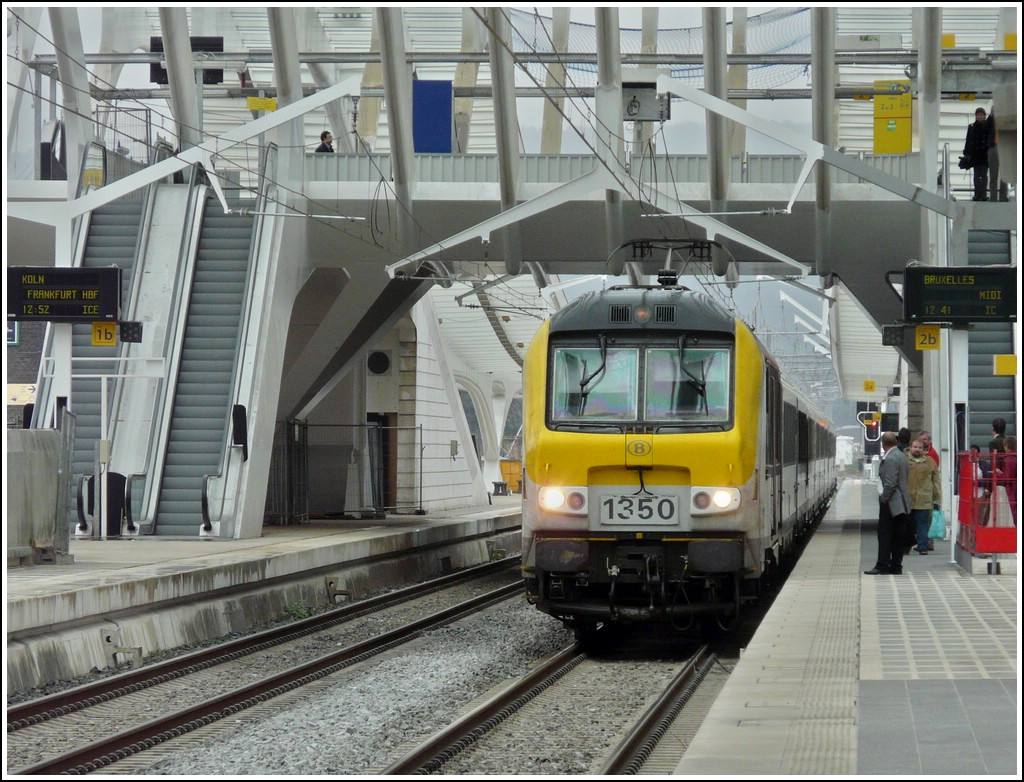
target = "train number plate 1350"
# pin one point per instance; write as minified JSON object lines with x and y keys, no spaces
{"x":639,"y":509}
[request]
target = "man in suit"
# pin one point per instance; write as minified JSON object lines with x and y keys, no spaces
{"x":893,"y":508}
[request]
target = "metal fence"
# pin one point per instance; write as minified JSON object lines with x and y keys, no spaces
{"x":288,"y":492}
{"x":340,"y":471}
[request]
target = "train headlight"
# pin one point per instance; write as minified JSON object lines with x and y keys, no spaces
{"x":564,"y":499}
{"x":709,"y":500}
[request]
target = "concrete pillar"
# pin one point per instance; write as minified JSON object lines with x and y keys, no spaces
{"x":608,"y":100}
{"x":181,"y":76}
{"x":738,"y":81}
{"x":716,"y":84}
{"x":823,"y":90}
{"x":466,"y":74}
{"x":506,"y":126}
{"x":644,"y":131}
{"x":397,"y":79}
{"x":929,"y":74}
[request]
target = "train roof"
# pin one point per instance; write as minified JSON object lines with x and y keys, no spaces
{"x":669,"y":307}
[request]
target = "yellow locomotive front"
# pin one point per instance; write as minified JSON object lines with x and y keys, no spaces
{"x":641,"y":438}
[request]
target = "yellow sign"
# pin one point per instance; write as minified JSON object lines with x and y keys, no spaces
{"x":1010,"y":42}
{"x":1004,"y":365}
{"x":869,"y":386}
{"x":104,"y":333}
{"x":966,"y":96}
{"x":948,"y":40}
{"x":893,"y":99}
{"x":893,"y":113}
{"x":876,"y":417}
{"x":927,"y":338}
{"x":892,"y":136}
{"x":261,"y":104}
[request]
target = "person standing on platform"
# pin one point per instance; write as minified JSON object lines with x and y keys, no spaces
{"x":903,"y":437}
{"x":893,"y":508}
{"x":1010,"y":475}
{"x":925,"y":484}
{"x":926,"y":441}
{"x":992,"y":143}
{"x":998,"y":435}
{"x":976,"y":149}
{"x":325,"y":142}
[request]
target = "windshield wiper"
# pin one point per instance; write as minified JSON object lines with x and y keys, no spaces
{"x":698,"y":384}
{"x":584,"y":391}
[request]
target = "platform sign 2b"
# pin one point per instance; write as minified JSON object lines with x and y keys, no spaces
{"x":63,"y":295}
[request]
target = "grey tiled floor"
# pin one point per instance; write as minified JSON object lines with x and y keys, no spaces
{"x":939,"y":678}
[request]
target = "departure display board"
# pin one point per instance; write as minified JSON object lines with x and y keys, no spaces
{"x":960,"y":294}
{"x":63,"y":295}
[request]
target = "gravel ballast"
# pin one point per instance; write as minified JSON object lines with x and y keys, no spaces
{"x":360,"y":725}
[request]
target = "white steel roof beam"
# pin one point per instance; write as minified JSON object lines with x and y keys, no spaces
{"x":67,"y":36}
{"x":313,"y":38}
{"x":551,"y":125}
{"x":287,"y":73}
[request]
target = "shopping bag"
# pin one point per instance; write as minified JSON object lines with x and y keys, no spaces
{"x":937,"y":530}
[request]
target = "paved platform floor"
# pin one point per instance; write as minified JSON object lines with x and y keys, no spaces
{"x":852,"y":674}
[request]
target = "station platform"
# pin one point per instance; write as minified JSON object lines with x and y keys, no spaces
{"x":129,"y":599}
{"x":850,"y":674}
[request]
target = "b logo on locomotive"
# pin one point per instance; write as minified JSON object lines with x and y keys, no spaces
{"x":638,"y":447}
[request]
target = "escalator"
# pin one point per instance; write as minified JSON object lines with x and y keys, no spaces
{"x":202,"y":406}
{"x":113,"y":238}
{"x":989,"y":396}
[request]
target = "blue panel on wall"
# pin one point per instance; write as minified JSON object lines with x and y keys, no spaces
{"x":433,"y":116}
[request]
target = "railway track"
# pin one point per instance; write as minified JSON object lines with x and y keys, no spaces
{"x":534,"y":710}
{"x":112,"y":719}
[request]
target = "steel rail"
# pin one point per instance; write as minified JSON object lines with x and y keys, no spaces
{"x":109,"y":750}
{"x":446,"y":743}
{"x":635,"y":748}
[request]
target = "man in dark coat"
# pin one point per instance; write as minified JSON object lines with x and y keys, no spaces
{"x":976,"y":148}
{"x":325,"y":142}
{"x":893,"y":508}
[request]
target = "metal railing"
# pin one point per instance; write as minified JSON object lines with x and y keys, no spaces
{"x":987,"y":512}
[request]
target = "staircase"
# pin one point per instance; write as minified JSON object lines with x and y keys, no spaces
{"x":203,"y":394}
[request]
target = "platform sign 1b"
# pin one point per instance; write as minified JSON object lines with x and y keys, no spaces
{"x":960,"y":294}
{"x":104,"y":334}
{"x":64,"y":294}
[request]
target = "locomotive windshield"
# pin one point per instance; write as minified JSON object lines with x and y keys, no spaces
{"x":659,"y":385}
{"x":579,"y":394}
{"x":696,"y":388}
